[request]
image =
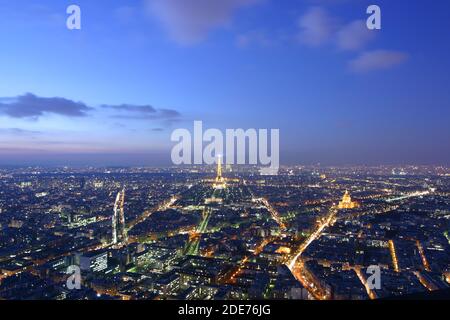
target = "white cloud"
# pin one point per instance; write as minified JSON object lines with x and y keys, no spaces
{"x":354,"y":36}
{"x":377,"y":60}
{"x":190,"y":21}
{"x":317,"y":27}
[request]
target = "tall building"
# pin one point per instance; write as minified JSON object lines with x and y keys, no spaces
{"x":119,"y":231}
{"x":220,"y":180}
{"x":93,"y":261}
{"x":219,"y":177}
{"x":347,"y":202}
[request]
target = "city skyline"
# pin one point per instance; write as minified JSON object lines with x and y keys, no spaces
{"x":212,"y":233}
{"x":112,"y":92}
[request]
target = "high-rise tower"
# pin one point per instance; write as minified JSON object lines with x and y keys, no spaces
{"x":219,"y":177}
{"x":219,"y":182}
{"x":119,"y":231}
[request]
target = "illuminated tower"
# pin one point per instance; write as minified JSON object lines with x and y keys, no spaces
{"x":119,"y":232}
{"x":220,"y":181}
{"x":219,"y":177}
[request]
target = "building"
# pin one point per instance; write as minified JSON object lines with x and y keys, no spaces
{"x":94,"y":261}
{"x":347,"y":202}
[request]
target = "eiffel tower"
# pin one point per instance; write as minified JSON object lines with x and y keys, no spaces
{"x":220,"y":180}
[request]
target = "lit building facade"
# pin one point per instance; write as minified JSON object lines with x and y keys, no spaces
{"x":347,"y":202}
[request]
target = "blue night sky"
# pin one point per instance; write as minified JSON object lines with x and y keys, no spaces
{"x":112,"y":92}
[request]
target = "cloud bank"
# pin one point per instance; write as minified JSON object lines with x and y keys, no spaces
{"x":129,"y":111}
{"x":30,"y":106}
{"x":317,"y":28}
{"x":33,"y":107}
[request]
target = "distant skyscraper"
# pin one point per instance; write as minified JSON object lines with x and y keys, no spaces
{"x":119,"y":232}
